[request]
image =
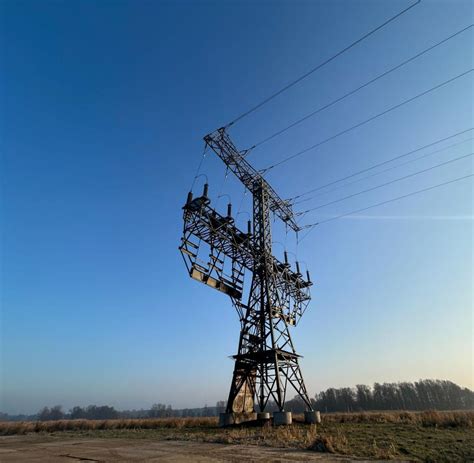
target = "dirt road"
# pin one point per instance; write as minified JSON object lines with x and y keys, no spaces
{"x":39,"y":449}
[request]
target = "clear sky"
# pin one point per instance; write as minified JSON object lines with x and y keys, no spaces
{"x":103,"y":110}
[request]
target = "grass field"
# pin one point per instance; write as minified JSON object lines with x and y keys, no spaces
{"x":415,"y":436}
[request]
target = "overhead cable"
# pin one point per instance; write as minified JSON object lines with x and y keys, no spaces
{"x":392,"y":108}
{"x":312,"y":226}
{"x":385,"y":184}
{"x":381,"y":164}
{"x":381,"y":171}
{"x":320,"y":65}
{"x":355,"y":90}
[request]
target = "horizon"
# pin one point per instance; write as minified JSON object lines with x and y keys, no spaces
{"x":68,"y":409}
{"x":106,"y":106}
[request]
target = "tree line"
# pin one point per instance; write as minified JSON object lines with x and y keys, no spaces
{"x":105,"y":412}
{"x":425,"y":394}
{"x":92,"y":412}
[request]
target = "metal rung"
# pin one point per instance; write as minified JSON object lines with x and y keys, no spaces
{"x":230,"y":283}
{"x":195,"y":246}
{"x":203,"y":277}
{"x":238,"y":280}
{"x":215,"y":268}
{"x":216,"y":264}
{"x":200,"y":267}
{"x":186,"y":251}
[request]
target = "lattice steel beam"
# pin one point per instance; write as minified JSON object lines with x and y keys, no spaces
{"x":203,"y":223}
{"x":220,"y":142}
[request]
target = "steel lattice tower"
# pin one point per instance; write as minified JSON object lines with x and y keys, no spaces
{"x":266,"y":362}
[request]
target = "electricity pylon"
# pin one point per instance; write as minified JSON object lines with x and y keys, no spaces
{"x":266,"y":362}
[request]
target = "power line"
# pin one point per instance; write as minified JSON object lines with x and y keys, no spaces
{"x":299,"y":153}
{"x":386,"y":183}
{"x":382,"y":171}
{"x":381,"y":163}
{"x":312,"y":226}
{"x":337,"y":100}
{"x":198,"y":170}
{"x":319,"y":66}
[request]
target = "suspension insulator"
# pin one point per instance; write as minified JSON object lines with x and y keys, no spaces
{"x":190,"y":197}
{"x":297,"y":267}
{"x":307,"y":276}
{"x":249,"y":228}
{"x":206,"y":190}
{"x":286,"y":257}
{"x":229,"y":210}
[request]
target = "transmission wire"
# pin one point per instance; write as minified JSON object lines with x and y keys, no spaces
{"x":381,"y":164}
{"x":319,"y":66}
{"x":382,"y":171}
{"x":219,"y":194}
{"x":337,"y":100}
{"x":312,"y":226}
{"x":299,"y":153}
{"x":386,"y":183}
{"x":199,"y":167}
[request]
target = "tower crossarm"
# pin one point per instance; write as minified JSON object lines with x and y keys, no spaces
{"x":220,"y":142}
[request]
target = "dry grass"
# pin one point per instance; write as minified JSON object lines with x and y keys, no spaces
{"x":437,"y":419}
{"x":330,"y":443}
{"x":25,"y":427}
{"x":415,"y":436}
{"x":440,"y":419}
{"x":282,"y":436}
{"x":447,"y":419}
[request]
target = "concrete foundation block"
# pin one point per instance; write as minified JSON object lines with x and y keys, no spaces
{"x":263,"y":416}
{"x":243,"y":417}
{"x":226,"y":419}
{"x":312,"y":417}
{"x":280,"y":418}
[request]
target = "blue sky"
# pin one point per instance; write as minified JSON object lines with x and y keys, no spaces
{"x":104,"y":106}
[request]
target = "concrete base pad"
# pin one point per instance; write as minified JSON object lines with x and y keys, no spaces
{"x":263,"y":416}
{"x":280,"y":418}
{"x":312,"y":417}
{"x":228,"y":419}
{"x":42,"y":448}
